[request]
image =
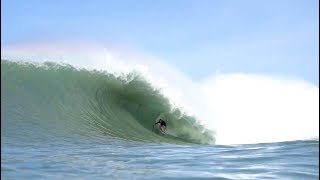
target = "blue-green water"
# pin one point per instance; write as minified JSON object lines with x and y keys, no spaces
{"x":59,"y":122}
{"x":85,"y":159}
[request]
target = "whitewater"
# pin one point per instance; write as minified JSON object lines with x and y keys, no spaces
{"x":77,"y":112}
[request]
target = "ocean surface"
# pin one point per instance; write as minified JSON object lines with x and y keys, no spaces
{"x":62,"y":122}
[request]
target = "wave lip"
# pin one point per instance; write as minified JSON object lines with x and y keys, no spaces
{"x":91,"y":103}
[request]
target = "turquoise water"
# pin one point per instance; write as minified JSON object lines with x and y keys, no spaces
{"x":59,"y":122}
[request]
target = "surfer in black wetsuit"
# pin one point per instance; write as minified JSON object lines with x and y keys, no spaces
{"x":163,"y":125}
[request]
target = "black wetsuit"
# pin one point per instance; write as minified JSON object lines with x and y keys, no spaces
{"x":162,"y":123}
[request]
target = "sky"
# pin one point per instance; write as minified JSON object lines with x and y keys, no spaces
{"x":198,"y":37}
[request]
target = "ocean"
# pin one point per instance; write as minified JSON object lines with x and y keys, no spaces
{"x":62,"y":122}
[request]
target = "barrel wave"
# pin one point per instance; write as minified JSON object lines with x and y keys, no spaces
{"x":61,"y":100}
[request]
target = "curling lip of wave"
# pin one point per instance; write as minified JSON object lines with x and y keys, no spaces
{"x":92,"y":102}
{"x":222,"y":103}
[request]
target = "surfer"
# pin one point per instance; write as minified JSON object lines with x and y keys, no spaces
{"x":163,"y":125}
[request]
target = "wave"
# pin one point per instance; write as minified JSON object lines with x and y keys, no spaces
{"x":53,"y":97}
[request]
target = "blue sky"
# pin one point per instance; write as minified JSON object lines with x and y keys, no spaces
{"x":199,"y":37}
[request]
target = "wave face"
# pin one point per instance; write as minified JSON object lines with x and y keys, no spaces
{"x":59,"y":99}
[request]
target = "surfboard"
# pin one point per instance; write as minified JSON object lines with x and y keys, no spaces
{"x":156,"y":129}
